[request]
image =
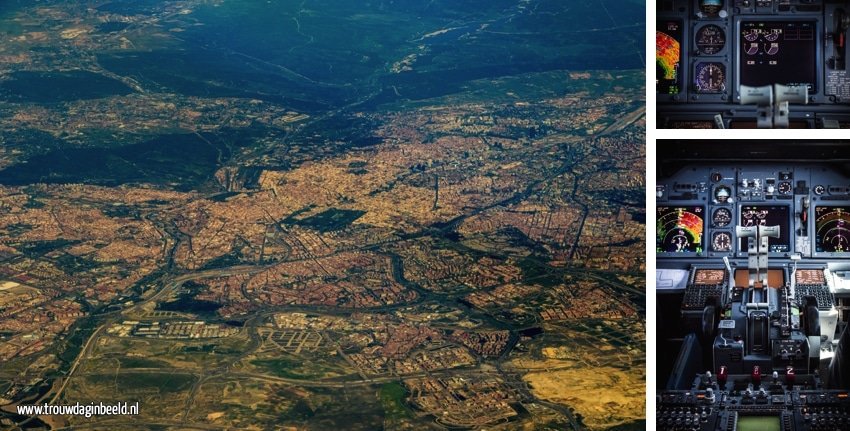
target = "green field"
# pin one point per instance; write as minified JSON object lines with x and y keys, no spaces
{"x":54,"y":87}
{"x":302,"y":368}
{"x":133,"y":362}
{"x":392,"y":399}
{"x":162,"y":383}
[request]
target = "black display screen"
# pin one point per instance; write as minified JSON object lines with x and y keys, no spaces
{"x":668,"y":57}
{"x":832,"y":229}
{"x":767,"y":215}
{"x":778,"y":52}
{"x":679,"y":229}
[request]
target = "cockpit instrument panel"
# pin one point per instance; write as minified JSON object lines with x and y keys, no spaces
{"x":679,"y":229}
{"x":752,"y":64}
{"x":754,"y":325}
{"x":700,"y":204}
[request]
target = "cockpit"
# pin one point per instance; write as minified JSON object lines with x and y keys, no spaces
{"x":752,"y":64}
{"x":753,"y":285}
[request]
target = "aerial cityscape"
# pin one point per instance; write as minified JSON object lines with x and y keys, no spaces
{"x":321,"y":214}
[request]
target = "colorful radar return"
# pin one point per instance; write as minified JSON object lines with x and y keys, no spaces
{"x":679,"y":229}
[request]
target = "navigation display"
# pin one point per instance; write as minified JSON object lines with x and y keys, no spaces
{"x":679,"y":229}
{"x":767,"y":215}
{"x":778,"y":52}
{"x":668,"y":57}
{"x":832,"y":229}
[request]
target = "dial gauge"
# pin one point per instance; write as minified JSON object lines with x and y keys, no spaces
{"x":710,"y":39}
{"x":752,"y":35}
{"x":721,"y":241}
{"x":819,"y":189}
{"x":722,"y":194}
{"x":710,"y":7}
{"x":721,"y":217}
{"x":784,"y":188}
{"x":773,"y":36}
{"x":772,"y":48}
{"x":710,"y":78}
{"x":753,"y":217}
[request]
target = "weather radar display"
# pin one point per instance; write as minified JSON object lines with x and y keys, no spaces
{"x":679,"y":229}
{"x":832,"y":229}
{"x":668,"y":56}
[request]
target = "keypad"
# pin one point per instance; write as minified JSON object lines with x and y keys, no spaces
{"x":821,"y":293}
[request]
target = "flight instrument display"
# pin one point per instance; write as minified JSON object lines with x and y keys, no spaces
{"x":810,"y":276}
{"x":768,"y":215}
{"x":780,"y":52}
{"x":709,"y":276}
{"x":668,"y":56}
{"x":679,"y":229}
{"x":832,"y":229}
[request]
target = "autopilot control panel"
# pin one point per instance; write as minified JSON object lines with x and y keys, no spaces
{"x":729,"y":63}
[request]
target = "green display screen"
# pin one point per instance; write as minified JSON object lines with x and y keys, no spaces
{"x":759,"y":423}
